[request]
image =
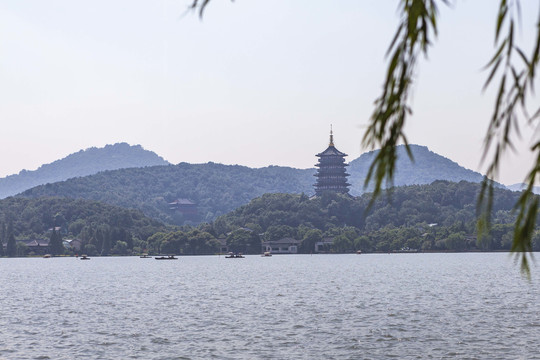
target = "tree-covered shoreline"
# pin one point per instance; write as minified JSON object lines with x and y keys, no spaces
{"x":100,"y":228}
{"x":438,"y":217}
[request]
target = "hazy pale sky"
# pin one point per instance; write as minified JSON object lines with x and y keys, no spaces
{"x":254,"y":83}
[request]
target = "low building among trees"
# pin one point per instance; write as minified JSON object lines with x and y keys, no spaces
{"x":281,"y":246}
{"x":325,"y":245}
{"x":72,"y":244}
{"x":184,"y":206}
{"x":34,"y":246}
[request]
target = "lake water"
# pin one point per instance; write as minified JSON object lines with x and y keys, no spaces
{"x":403,"y":306}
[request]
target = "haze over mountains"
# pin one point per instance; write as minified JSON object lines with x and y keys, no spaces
{"x":81,"y":163}
{"x":426,"y":168}
{"x":215,"y":188}
{"x":521,"y":186}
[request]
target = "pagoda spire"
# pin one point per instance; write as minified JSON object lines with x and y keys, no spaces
{"x":331,"y":136}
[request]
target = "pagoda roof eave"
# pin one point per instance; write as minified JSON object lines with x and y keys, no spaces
{"x":331,"y":150}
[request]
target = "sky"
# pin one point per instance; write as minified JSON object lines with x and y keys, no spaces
{"x":254,"y":83}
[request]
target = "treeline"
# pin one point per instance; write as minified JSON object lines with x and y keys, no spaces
{"x":436,"y":217}
{"x":101,"y":228}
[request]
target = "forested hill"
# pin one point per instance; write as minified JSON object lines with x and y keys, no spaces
{"x":32,"y":219}
{"x":218,"y":189}
{"x":82,"y":163}
{"x":434,"y":217}
{"x":426,"y":168}
{"x":440,"y":202}
{"x":215,"y":188}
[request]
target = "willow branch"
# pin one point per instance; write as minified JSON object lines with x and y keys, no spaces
{"x":517,"y":73}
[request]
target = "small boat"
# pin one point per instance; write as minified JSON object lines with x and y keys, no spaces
{"x":266,"y":254}
{"x":168,"y":257}
{"x":46,"y":256}
{"x":359,"y":252}
{"x":234,"y":256}
{"x":145,"y":256}
{"x":84,"y":257}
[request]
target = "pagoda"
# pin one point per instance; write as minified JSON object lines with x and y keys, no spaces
{"x":331,"y":175}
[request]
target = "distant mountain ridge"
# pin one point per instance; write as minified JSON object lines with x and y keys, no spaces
{"x":218,"y":189}
{"x":522,"y":186}
{"x":426,"y":168}
{"x":82,"y":163}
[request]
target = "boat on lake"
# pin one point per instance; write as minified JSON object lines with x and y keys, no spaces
{"x":234,"y":256}
{"x":84,"y":257}
{"x":145,"y":256}
{"x":168,"y":257}
{"x":266,"y":254}
{"x":46,"y":256}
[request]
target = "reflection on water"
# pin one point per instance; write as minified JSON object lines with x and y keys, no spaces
{"x":285,"y":307}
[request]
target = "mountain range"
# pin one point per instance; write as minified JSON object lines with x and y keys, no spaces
{"x":521,"y":187}
{"x":425,"y":168}
{"x":215,"y":188}
{"x":82,"y":163}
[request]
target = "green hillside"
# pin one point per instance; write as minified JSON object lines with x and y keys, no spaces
{"x":438,"y":216}
{"x":215,"y":188}
{"x":82,"y":163}
{"x":441,"y":202}
{"x":435,"y":217}
{"x":218,"y":189}
{"x":90,"y":221}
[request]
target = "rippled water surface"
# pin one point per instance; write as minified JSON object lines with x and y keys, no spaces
{"x":403,"y":306}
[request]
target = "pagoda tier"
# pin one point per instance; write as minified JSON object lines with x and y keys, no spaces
{"x":331,"y":175}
